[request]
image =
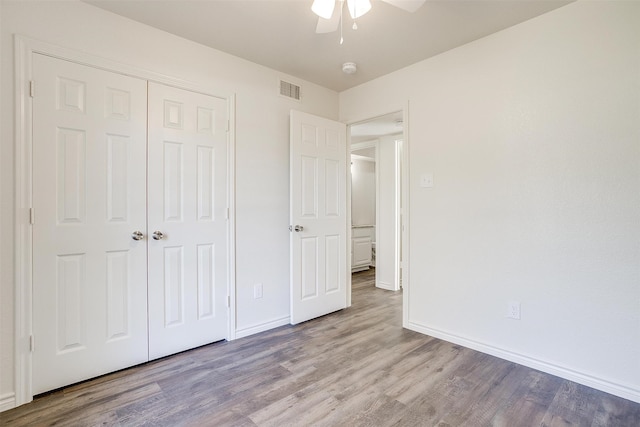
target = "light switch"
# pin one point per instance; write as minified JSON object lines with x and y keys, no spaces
{"x":426,"y":180}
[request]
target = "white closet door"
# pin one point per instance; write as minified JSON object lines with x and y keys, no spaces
{"x":89,"y":177}
{"x":187,"y":206}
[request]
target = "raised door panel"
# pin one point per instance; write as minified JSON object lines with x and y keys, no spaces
{"x":361,"y":251}
{"x":118,"y":152}
{"x":206,"y":281}
{"x":118,"y":291}
{"x":173,"y":286}
{"x":71,"y":175}
{"x":206,"y":183}
{"x":332,"y":259}
{"x":71,"y":319}
{"x":332,"y":188}
{"x":309,"y":268}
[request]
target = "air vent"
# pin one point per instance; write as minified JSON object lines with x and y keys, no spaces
{"x":289,"y":90}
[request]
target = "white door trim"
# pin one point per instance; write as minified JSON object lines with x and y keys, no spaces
{"x":406,"y":210}
{"x":399,"y":165}
{"x":23,"y":71}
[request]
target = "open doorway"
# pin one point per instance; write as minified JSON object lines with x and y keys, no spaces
{"x":376,"y":198}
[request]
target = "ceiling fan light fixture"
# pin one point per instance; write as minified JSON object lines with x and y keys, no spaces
{"x":323,"y":8}
{"x":357,"y":8}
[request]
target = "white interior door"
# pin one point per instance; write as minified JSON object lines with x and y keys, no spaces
{"x":318,"y":216}
{"x":89,"y":178}
{"x":188,"y":206}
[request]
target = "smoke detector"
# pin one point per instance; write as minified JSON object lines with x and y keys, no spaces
{"x":349,"y":68}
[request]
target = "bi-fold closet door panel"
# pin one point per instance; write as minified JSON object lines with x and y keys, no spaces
{"x":114,"y":159}
{"x":89,"y":195}
{"x":187,"y":219}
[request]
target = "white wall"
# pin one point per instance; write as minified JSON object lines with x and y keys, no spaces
{"x":262,"y":144}
{"x":363,"y":192}
{"x":386,"y":226}
{"x":533,"y":137}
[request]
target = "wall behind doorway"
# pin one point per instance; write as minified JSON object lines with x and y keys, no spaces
{"x":363,"y":190}
{"x":386,"y":275}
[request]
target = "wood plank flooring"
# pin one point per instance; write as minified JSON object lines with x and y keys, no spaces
{"x":357,"y":367}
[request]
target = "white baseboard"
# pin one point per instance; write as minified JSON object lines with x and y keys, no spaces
{"x":251,"y":330}
{"x":7,"y":401}
{"x":621,"y":390}
{"x":385,"y":285}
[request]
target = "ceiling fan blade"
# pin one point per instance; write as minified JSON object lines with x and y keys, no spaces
{"x":329,"y":25}
{"x":408,"y":5}
{"x":323,"y":8}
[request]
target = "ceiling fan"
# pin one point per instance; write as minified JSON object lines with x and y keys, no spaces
{"x":329,"y":18}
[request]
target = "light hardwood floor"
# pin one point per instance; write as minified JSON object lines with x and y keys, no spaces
{"x":357,"y":367}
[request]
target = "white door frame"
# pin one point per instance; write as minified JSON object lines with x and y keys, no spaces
{"x":23,"y":72}
{"x":404,"y":279}
{"x":399,"y":164}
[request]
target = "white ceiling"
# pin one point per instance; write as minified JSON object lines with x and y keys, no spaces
{"x":389,"y":124}
{"x":280,"y":34}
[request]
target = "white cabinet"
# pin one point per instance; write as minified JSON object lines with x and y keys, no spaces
{"x":360,"y":253}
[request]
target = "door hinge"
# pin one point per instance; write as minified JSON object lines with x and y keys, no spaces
{"x":32,"y":88}
{"x":228,"y":301}
{"x":228,"y":125}
{"x":32,"y":218}
{"x":31,"y":343}
{"x":226,"y":214}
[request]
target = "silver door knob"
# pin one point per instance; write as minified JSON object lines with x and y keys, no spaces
{"x":296,"y":228}
{"x":157,"y":235}
{"x":137,"y":235}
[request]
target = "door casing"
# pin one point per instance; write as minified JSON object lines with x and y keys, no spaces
{"x":24,"y":49}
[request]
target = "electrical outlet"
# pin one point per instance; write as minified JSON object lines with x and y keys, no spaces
{"x":513,"y":310}
{"x":257,"y":291}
